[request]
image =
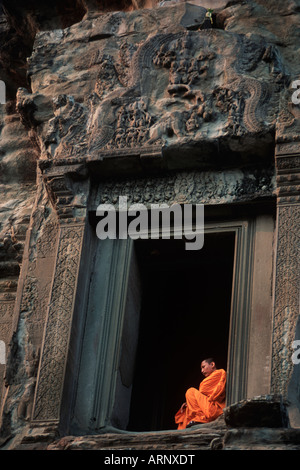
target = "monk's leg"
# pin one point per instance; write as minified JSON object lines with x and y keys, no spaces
{"x":200,"y":408}
{"x":196,"y":405}
{"x":183,"y":417}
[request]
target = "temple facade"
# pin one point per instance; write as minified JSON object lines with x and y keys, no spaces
{"x":177,"y":104}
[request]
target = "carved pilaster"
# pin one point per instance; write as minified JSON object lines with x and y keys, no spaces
{"x":51,"y":373}
{"x":287,"y":267}
{"x":288,"y":173}
{"x":68,"y":190}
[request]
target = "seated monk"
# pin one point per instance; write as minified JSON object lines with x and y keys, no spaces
{"x":207,"y":403}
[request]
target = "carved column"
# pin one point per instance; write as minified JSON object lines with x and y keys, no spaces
{"x":70,"y":203}
{"x":287,"y":265}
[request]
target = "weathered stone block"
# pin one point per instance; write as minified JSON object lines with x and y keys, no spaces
{"x":262,"y":439}
{"x":263,"y":411}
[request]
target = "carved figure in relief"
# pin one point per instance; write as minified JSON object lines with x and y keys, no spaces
{"x":189,"y":63}
{"x":66,"y":131}
{"x":148,"y":89}
{"x":185,"y":70}
{"x":132,"y":125}
{"x":26,"y":401}
{"x":107,"y":76}
{"x":192,"y":124}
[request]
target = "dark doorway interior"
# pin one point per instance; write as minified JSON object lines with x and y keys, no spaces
{"x":185,"y":317}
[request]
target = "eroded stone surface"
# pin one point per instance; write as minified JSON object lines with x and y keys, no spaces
{"x":263,"y":411}
{"x":106,"y":79}
{"x":262,"y":439}
{"x":129,"y":80}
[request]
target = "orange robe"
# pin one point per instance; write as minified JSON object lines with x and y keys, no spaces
{"x":207,"y":403}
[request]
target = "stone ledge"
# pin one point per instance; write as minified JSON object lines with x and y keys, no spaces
{"x":262,"y":439}
{"x":172,"y":440}
{"x":200,"y":437}
{"x":213,"y":436}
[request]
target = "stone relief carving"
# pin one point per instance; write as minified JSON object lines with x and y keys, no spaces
{"x":136,"y":91}
{"x":58,"y":324}
{"x":152,"y":88}
{"x":182,"y":106}
{"x":186,"y":187}
{"x":31,"y":365}
{"x":132,"y":127}
{"x":287,"y":281}
{"x":287,"y":296}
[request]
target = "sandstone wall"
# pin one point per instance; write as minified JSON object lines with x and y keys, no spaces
{"x":95,"y":79}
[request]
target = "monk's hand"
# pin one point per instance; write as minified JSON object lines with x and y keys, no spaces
{"x":183,"y":406}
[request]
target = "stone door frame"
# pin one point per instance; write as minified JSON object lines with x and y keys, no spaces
{"x":73,"y":226}
{"x":238,"y":344}
{"x":54,"y":357}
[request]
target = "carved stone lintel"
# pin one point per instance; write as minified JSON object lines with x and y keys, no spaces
{"x":68,"y":180}
{"x":186,"y":187}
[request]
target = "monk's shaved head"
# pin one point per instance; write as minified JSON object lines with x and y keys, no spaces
{"x":209,"y":360}
{"x":208,"y":366}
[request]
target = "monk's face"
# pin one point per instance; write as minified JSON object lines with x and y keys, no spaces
{"x":207,"y":368}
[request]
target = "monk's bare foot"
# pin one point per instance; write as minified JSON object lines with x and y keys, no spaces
{"x":192,"y":423}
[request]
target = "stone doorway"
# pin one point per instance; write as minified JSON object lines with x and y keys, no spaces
{"x":185,"y":317}
{"x":108,"y":395}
